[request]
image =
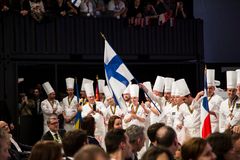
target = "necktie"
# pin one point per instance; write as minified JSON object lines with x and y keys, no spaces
{"x":56,"y":138}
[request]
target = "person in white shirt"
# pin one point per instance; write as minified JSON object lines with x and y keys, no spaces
{"x":229,"y":114}
{"x":135,"y":113}
{"x":70,"y":105}
{"x":97,"y":110}
{"x":49,"y":105}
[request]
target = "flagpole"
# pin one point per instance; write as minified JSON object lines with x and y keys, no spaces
{"x":103,"y":36}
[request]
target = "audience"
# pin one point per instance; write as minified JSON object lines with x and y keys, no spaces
{"x":115,"y":122}
{"x":152,"y":132}
{"x":73,"y":141}
{"x":91,"y":152}
{"x":117,"y":144}
{"x":197,"y":149}
{"x":136,"y":139}
{"x":54,"y":133}
{"x":222,"y":146}
{"x":46,"y":150}
{"x":167,"y":137}
{"x":157,"y":153}
{"x":88,"y":124}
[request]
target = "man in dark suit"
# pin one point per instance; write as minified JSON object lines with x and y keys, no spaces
{"x":54,"y":133}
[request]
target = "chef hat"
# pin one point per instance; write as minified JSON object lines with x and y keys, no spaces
{"x":159,"y":84}
{"x":231,"y":79}
{"x":174,"y":87}
{"x":89,"y":89}
{"x":85,"y":81}
{"x":70,"y":83}
{"x":48,"y":88}
{"x":168,"y":84}
{"x":127,"y":90}
{"x":101,"y":84}
{"x":210,"y":77}
{"x":182,"y":88}
{"x":134,"y":90}
{"x":148,"y":85}
{"x":108,"y":94}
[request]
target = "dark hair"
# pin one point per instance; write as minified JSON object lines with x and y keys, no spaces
{"x":193,"y":148}
{"x":113,"y":139}
{"x":89,"y":152}
{"x":153,"y":152}
{"x":111,"y":121}
{"x":88,"y":124}
{"x":221,"y":143}
{"x":46,"y":150}
{"x":152,"y":131}
{"x":168,"y":137}
{"x":73,"y":141}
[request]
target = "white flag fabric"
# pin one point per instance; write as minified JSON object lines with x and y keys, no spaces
{"x":117,"y":75}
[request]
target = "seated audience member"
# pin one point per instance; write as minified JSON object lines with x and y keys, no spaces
{"x":117,"y":8}
{"x":135,"y":13}
{"x":73,"y":141}
{"x":16,"y":150}
{"x":222,"y":146}
{"x":4,"y":5}
{"x":167,"y":137}
{"x":65,"y":7}
{"x":88,"y":124}
{"x":91,"y":152}
{"x":115,"y":122}
{"x":99,"y":7}
{"x":152,"y":132}
{"x":86,"y":8}
{"x":117,"y":144}
{"x":22,"y":7}
{"x":197,"y":149}
{"x":46,"y":150}
{"x":179,"y":11}
{"x":136,"y":139}
{"x":236,"y":144}
{"x":37,"y":10}
{"x":157,"y":153}
{"x":54,"y":133}
{"x":4,"y":145}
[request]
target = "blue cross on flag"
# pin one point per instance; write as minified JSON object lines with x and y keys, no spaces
{"x":117,"y":75}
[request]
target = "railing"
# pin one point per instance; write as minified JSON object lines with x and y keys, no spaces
{"x":78,"y":37}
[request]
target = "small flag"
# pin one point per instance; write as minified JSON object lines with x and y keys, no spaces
{"x":205,"y":114}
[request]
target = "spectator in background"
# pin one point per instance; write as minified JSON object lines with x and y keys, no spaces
{"x":4,"y":145}
{"x":157,"y":153}
{"x":117,"y":144}
{"x":99,"y":7}
{"x":73,"y":141}
{"x":86,"y":8}
{"x":197,"y":149}
{"x":136,"y":139}
{"x":65,"y":7}
{"x":117,"y":8}
{"x":222,"y":146}
{"x":37,"y":10}
{"x":46,"y":150}
{"x":22,"y":6}
{"x":179,"y":11}
{"x":88,"y":124}
{"x":152,"y":132}
{"x":4,"y":5}
{"x":91,"y":152}
{"x":115,"y":122}
{"x":54,"y":133}
{"x":135,"y":13}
